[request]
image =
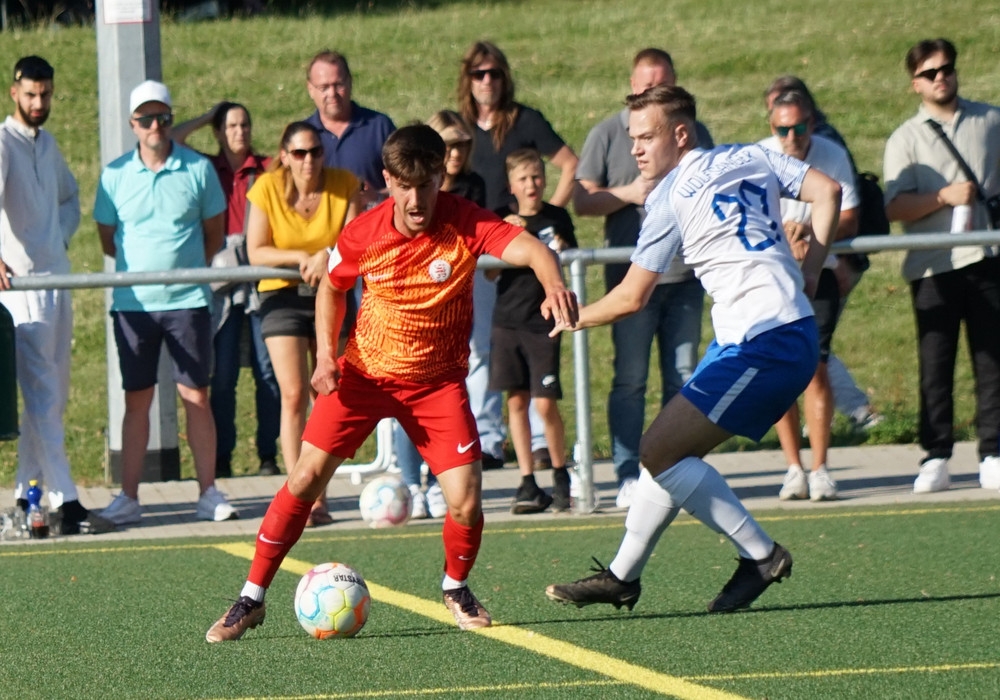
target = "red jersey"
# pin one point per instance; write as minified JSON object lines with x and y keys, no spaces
{"x":235,"y":186}
{"x":416,"y":307}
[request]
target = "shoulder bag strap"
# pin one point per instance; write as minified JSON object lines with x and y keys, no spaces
{"x":966,"y":170}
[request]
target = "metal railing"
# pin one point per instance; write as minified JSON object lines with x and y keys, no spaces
{"x":577,"y":260}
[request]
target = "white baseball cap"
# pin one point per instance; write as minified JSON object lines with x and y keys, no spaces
{"x":148,"y":91}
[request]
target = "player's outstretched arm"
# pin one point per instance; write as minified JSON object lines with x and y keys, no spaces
{"x":624,"y":300}
{"x":824,"y":194}
{"x":331,"y":306}
{"x":527,"y":251}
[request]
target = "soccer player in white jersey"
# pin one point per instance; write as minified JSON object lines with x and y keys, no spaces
{"x":720,"y":210}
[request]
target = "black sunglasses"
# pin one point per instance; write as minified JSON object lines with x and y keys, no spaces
{"x":165,"y":119}
{"x":301,"y":153}
{"x":947,"y":70}
{"x":494,"y":73}
{"x":799,"y":129}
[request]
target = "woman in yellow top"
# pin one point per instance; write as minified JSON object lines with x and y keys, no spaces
{"x":297,"y":210}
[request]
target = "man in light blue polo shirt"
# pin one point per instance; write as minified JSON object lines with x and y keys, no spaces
{"x":160,"y":207}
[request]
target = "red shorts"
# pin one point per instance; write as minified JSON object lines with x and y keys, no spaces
{"x":437,"y":417}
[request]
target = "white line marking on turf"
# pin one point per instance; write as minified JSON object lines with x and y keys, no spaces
{"x":564,"y":652}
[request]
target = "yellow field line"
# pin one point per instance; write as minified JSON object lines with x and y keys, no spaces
{"x":396,"y":534}
{"x":424,"y":692}
{"x":526,"y":639}
{"x":829,"y":673}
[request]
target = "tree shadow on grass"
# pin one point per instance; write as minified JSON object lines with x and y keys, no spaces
{"x":620,"y":616}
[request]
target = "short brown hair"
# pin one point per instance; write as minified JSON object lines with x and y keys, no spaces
{"x":677,"y":103}
{"x":928,"y":47}
{"x":414,"y":153}
{"x":524,"y":156}
{"x":654,"y":56}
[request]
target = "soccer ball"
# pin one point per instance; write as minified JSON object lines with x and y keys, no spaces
{"x":385,"y":502}
{"x":332,"y":601}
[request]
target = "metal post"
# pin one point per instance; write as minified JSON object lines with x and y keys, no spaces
{"x":581,"y":360}
{"x":128,"y":52}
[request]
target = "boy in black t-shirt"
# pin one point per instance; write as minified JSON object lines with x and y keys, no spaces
{"x":524,"y":360}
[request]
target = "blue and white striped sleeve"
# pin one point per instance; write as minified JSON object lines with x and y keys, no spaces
{"x":660,"y":236}
{"x":789,"y":171}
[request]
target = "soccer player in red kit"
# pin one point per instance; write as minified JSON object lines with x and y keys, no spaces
{"x":407,"y":359}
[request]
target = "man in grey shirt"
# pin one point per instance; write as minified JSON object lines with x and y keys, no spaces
{"x":609,"y":185}
{"x":924,"y":184}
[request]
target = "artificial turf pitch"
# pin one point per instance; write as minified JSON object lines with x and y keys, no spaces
{"x":888,"y":602}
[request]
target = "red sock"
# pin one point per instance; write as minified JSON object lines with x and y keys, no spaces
{"x":280,"y":530}
{"x":461,"y":546}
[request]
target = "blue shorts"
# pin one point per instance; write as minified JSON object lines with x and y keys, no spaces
{"x":746,"y":388}
{"x":187,"y":334}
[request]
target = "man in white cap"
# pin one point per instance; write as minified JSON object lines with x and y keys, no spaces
{"x":160,"y":207}
{"x":38,"y":215}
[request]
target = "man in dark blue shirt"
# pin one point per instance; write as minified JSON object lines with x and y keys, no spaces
{"x":352,"y":135}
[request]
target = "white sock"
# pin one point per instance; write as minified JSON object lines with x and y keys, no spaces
{"x":252,"y":590}
{"x":703,"y":493}
{"x":449,"y":583}
{"x":652,"y":510}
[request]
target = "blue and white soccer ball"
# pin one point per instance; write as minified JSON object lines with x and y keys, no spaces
{"x":332,"y":601}
{"x":385,"y":502}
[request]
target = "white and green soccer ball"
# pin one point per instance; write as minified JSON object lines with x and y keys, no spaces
{"x":332,"y":601}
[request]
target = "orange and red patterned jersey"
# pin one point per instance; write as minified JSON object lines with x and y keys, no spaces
{"x":416,"y":307}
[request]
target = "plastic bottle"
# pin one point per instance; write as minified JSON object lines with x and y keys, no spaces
{"x":548,"y":236}
{"x":38,"y":521}
{"x":961,"y":218}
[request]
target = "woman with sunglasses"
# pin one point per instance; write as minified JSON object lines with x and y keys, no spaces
{"x":500,"y":126}
{"x":236,"y":304}
{"x":297,"y":210}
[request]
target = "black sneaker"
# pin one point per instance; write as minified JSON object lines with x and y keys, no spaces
{"x":560,"y":490}
{"x":68,"y":517}
{"x":530,"y":499}
{"x":268,"y":467}
{"x":602,"y":587}
{"x":751,"y":579}
{"x":491,"y":462}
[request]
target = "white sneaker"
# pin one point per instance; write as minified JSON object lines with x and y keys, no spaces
{"x":212,"y":505}
{"x":123,"y":510}
{"x":822,"y":487}
{"x":418,"y":504}
{"x":865,"y":419}
{"x":795,"y":485}
{"x":436,"y":505}
{"x":624,"y":498}
{"x":933,"y":476}
{"x":989,"y":472}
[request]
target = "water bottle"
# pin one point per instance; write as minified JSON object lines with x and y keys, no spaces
{"x":38,"y":521}
{"x":961,"y":218}
{"x":548,"y":236}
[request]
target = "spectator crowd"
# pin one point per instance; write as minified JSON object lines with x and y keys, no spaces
{"x":165,"y":205}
